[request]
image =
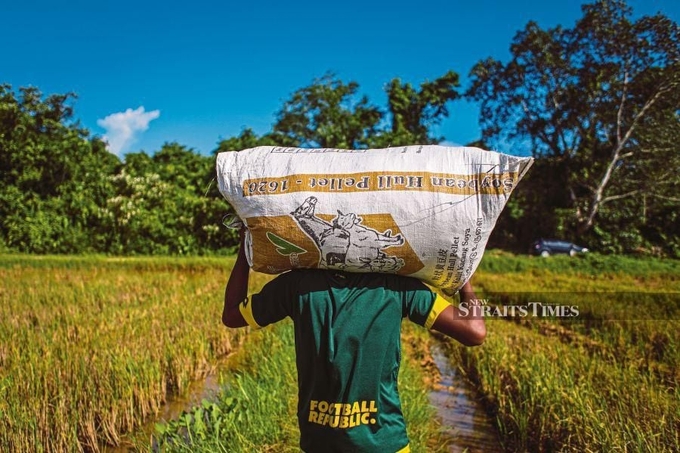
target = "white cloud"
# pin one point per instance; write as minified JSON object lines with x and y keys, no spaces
{"x":123,"y":128}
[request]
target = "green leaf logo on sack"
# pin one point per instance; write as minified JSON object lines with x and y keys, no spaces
{"x":284,"y":247}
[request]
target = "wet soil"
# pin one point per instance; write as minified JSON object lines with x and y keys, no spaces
{"x":463,"y":417}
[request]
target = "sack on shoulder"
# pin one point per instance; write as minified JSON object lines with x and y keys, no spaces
{"x":422,"y":211}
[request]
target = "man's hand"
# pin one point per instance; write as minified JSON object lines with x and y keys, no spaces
{"x":467,"y":294}
{"x":469,"y":330}
{"x":237,"y":287}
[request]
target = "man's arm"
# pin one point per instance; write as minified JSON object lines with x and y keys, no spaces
{"x":237,"y":289}
{"x":470,"y":330}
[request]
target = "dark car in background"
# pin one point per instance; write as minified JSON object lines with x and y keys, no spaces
{"x":547,"y":247}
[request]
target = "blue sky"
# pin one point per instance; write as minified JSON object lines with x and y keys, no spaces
{"x":147,"y":72}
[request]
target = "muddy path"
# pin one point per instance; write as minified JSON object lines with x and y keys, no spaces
{"x":464,"y":418}
{"x":467,"y":425}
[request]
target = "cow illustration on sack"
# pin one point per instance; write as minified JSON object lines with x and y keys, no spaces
{"x":346,"y":243}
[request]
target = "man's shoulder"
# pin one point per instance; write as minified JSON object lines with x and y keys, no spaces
{"x":334,"y":277}
{"x":403,"y":282}
{"x":304,"y":279}
{"x":388,"y":282}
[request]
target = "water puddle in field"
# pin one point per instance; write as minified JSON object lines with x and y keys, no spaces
{"x":463,"y":417}
{"x":207,"y":388}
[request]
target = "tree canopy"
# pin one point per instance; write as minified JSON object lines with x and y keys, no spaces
{"x":599,"y":105}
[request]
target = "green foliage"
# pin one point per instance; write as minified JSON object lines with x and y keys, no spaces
{"x":256,"y":409}
{"x":413,"y":112}
{"x":331,"y":114}
{"x":63,"y":192}
{"x":162,"y":207}
{"x":327,"y":114}
{"x":247,"y":139}
{"x":51,"y":186}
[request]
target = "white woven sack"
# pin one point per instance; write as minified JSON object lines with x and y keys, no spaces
{"x":422,"y":211}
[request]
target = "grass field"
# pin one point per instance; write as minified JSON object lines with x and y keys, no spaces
{"x":90,"y":347}
{"x":606,"y":380}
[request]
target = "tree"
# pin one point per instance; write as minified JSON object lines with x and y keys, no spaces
{"x":600,"y":100}
{"x":53,"y":175}
{"x":414,"y":112}
{"x":330,"y":114}
{"x":327,"y":114}
{"x":167,"y":204}
{"x":194,"y":176}
{"x":246,"y":139}
{"x":61,"y":191}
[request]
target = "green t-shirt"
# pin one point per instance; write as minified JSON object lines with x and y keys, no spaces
{"x":348,"y":351}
